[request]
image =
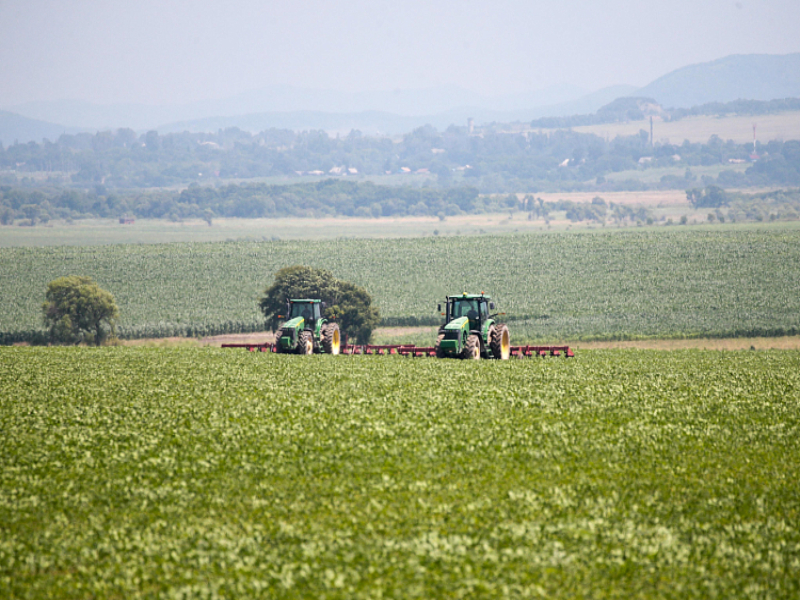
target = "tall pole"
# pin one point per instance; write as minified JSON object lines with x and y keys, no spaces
{"x":754,"y":138}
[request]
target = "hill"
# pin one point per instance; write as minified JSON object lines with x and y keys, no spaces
{"x":750,"y":77}
{"x":284,"y":107}
{"x":16,"y":128}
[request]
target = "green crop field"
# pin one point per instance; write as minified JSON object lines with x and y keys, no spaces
{"x":669,"y":282}
{"x":209,"y":473}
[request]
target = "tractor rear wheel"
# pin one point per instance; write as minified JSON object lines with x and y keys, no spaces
{"x":500,"y":342}
{"x":487,"y":347}
{"x":305,"y":344}
{"x":331,"y":339}
{"x":472,"y":349}
{"x":278,"y":336}
{"x":438,"y":346}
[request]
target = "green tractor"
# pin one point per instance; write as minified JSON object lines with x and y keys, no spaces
{"x":470,"y":331}
{"x":306,"y":331}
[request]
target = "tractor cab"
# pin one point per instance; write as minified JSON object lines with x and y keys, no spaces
{"x":475,"y":307}
{"x":310,"y":310}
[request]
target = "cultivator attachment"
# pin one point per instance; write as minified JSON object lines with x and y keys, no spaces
{"x":423,"y":351}
{"x":417,"y":351}
{"x":470,"y":331}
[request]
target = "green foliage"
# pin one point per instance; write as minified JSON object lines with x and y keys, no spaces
{"x":672,"y":282}
{"x":294,"y":282}
{"x":498,"y":161}
{"x":353,"y":310}
{"x":348,"y":304}
{"x":710,"y":197}
{"x":77,"y":310}
{"x":185,"y":473}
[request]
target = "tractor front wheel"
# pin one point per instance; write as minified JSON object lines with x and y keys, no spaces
{"x":472,"y":349}
{"x":305,"y":344}
{"x":331,"y":339}
{"x":500,"y":342}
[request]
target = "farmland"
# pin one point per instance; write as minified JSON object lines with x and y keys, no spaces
{"x":699,"y":129}
{"x":669,"y":282}
{"x":150,"y":231}
{"x":199,"y":473}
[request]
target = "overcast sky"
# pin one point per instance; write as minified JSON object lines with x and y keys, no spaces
{"x":176,"y":51}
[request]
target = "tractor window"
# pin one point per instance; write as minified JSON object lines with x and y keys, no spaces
{"x":316,"y":312}
{"x":465,"y":308}
{"x":301,"y":310}
{"x":484,"y":310}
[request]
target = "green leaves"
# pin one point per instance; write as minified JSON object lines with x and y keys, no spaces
{"x":136,"y":472}
{"x":349,"y":304}
{"x":78,"y":310}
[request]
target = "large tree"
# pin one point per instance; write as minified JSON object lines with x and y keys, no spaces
{"x":710,"y":197}
{"x":348,"y":304}
{"x":77,"y":310}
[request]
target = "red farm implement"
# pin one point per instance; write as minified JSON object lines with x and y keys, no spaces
{"x":417,"y":351}
{"x":470,"y":331}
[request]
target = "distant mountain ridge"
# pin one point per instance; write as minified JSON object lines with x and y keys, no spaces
{"x":285,"y":99}
{"x":16,"y":128}
{"x":735,"y":77}
{"x":747,"y":77}
{"x":373,"y":122}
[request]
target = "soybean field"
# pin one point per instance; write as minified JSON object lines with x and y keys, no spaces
{"x":573,"y":286}
{"x":200,"y":473}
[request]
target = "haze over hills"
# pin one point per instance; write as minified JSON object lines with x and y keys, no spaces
{"x":299,"y":109}
{"x":286,"y":99}
{"x":747,"y":77}
{"x":14,"y":127}
{"x":756,"y":77}
{"x":375,"y":122}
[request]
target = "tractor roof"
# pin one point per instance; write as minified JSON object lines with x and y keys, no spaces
{"x":466,"y":296}
{"x":304,"y":301}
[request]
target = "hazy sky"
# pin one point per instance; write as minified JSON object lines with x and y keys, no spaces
{"x":176,"y":51}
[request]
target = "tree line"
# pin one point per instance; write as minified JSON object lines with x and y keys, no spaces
{"x":328,"y":197}
{"x":493,"y":161}
{"x":334,"y":197}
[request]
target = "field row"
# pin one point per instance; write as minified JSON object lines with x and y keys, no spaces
{"x":553,"y":286}
{"x":199,"y":473}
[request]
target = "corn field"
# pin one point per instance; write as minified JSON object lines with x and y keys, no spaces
{"x":616,"y":285}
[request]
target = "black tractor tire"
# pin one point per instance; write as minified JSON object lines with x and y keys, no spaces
{"x":278,"y":336}
{"x":438,"y":346}
{"x":500,"y":342}
{"x":488,"y":343}
{"x":305,"y":343}
{"x":331,"y":339}
{"x":472,"y":349}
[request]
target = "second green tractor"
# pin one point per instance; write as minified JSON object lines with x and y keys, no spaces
{"x":470,"y":330}
{"x":306,"y":331}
